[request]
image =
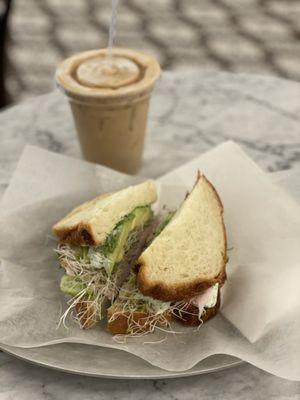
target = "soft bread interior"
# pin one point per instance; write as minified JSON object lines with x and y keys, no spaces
{"x":189,"y":255}
{"x":94,"y":220}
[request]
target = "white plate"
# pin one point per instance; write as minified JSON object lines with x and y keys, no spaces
{"x":109,"y":363}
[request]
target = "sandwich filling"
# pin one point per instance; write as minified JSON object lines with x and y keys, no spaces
{"x":155,"y":313}
{"x":92,"y":273}
{"x":144,"y":314}
{"x":207,"y":299}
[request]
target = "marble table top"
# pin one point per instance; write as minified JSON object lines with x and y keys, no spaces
{"x":190,"y":113}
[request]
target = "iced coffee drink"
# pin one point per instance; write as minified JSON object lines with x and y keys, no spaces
{"x":109,"y":98}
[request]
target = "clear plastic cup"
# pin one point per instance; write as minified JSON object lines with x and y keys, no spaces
{"x":110,"y":112}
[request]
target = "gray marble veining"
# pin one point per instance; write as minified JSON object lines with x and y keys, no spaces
{"x":190,"y":113}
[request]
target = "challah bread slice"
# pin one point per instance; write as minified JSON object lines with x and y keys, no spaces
{"x":189,"y":255}
{"x":91,"y":222}
{"x":118,"y":321}
{"x":124,"y":322}
{"x":86,"y":313}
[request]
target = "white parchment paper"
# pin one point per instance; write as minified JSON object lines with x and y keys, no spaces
{"x":260,"y":315}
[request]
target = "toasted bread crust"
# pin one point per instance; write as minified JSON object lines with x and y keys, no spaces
{"x":164,"y":292}
{"x":79,"y":234}
{"x":87,"y":314}
{"x":191,"y":318}
{"x":119,"y":325}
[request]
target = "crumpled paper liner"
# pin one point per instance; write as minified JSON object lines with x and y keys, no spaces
{"x":260,"y":315}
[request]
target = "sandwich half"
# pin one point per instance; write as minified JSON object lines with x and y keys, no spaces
{"x":180,"y":273}
{"x":94,"y":242}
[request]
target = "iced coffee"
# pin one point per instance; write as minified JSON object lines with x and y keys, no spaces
{"x":109,"y":98}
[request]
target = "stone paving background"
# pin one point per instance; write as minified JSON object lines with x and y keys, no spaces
{"x":256,"y":36}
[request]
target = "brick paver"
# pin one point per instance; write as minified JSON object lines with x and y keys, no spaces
{"x":256,"y":36}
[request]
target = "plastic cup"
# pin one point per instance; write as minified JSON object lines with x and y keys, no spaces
{"x":110,"y":109}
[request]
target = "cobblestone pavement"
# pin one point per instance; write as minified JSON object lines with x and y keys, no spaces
{"x":256,"y":36}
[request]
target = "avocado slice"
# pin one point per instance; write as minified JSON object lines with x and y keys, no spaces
{"x":164,"y":223}
{"x":113,"y":249}
{"x":72,"y":285}
{"x":121,"y":234}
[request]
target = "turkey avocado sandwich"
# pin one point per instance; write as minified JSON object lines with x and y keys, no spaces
{"x":94,"y":242}
{"x":179,"y":275}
